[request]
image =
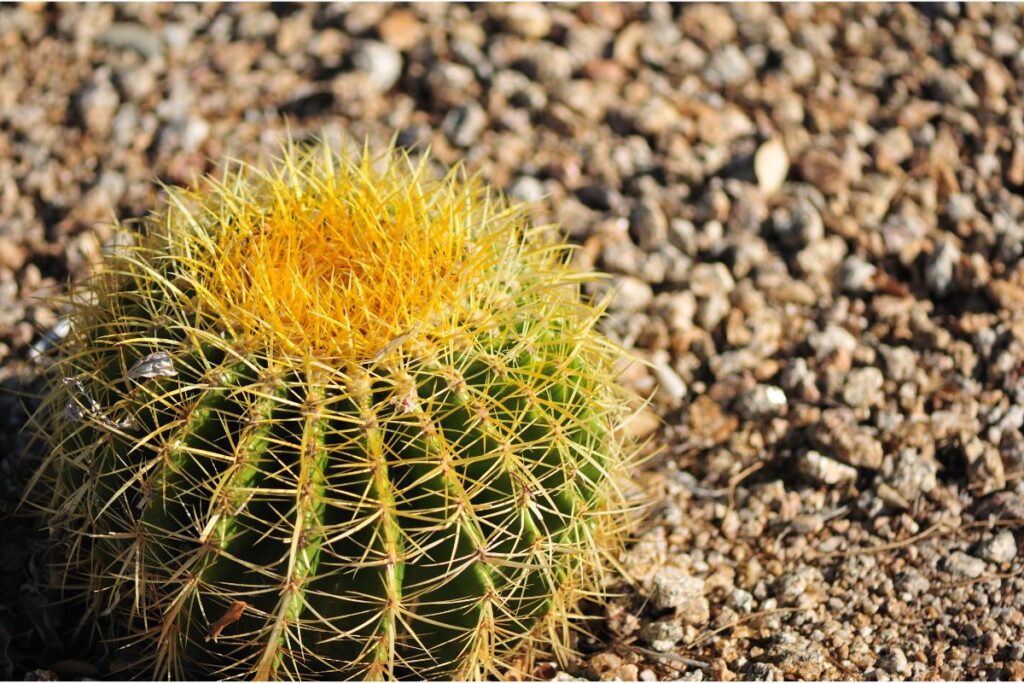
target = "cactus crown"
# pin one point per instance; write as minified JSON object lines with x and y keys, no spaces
{"x":350,"y":258}
{"x":335,"y":417}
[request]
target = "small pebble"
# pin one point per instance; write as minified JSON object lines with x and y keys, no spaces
{"x":962,"y":564}
{"x":662,"y":635}
{"x":668,"y":379}
{"x":798,"y":225}
{"x":1000,"y":548}
{"x":381,"y":62}
{"x":463,"y":125}
{"x":894,"y":661}
{"x":911,"y":474}
{"x":838,"y":435}
{"x":132,"y":36}
{"x":628,"y":293}
{"x":708,"y":279}
{"x":528,"y":19}
{"x":648,"y":225}
{"x":823,"y":470}
{"x":727,"y":67}
{"x":761,"y":402}
{"x":939,"y":270}
{"x":673,"y":588}
{"x":771,"y":165}
{"x":856,"y":274}
{"x":527,"y":189}
{"x":863,"y":387}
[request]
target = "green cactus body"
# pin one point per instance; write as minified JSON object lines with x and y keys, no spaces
{"x":251,"y":479}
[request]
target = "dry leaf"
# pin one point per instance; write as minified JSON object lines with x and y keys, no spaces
{"x":157,"y":364}
{"x":233,"y":614}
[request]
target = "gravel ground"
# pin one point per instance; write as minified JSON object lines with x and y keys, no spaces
{"x":813,"y":219}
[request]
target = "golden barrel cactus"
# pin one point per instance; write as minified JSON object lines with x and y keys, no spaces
{"x":333,"y":417}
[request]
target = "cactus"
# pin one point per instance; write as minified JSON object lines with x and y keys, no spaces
{"x":335,"y":416}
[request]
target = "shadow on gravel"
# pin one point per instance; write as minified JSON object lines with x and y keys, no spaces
{"x":28,"y":633}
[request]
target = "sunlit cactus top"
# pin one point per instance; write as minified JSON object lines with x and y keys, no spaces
{"x":353,"y":257}
{"x":334,"y":417}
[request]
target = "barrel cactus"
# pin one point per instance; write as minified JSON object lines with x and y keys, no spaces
{"x":333,"y":416}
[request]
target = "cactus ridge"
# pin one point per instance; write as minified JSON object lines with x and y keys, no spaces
{"x":325,"y":466}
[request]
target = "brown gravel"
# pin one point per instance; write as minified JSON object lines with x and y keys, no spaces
{"x":814,"y":220}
